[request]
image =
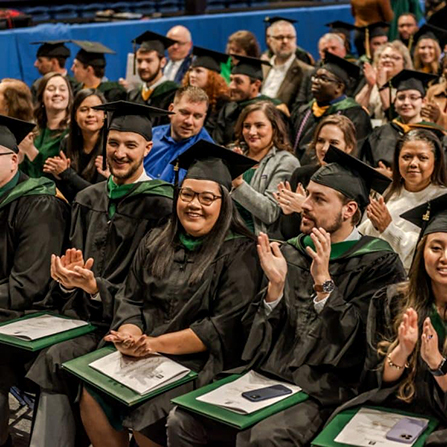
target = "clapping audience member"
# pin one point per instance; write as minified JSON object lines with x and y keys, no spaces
{"x":410,"y":85}
{"x":419,"y":174}
{"x":435,"y":109}
{"x":406,"y":368}
{"x":334,"y":130}
{"x":427,"y":52}
{"x":181,"y":297}
{"x":52,"y":115}
{"x":80,"y":160}
{"x":262,"y":133}
{"x":389,"y":60}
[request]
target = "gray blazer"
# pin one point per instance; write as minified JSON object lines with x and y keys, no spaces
{"x":257,"y":198}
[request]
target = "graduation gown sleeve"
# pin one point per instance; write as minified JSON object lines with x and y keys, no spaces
{"x":38,"y":227}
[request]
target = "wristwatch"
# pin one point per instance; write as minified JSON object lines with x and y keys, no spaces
{"x":441,"y":370}
{"x":327,"y":287}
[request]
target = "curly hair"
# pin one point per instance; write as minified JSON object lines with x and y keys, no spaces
{"x":18,"y":99}
{"x":433,"y":66}
{"x":280,"y":138}
{"x":216,"y":88}
{"x":40,"y":114}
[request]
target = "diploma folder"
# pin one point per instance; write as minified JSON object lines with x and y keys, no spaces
{"x":239,"y":421}
{"x":332,"y":430}
{"x":81,"y":369}
{"x":44,"y":342}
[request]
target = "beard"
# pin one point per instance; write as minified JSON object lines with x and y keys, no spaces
{"x":149,"y":77}
{"x":330,"y":227}
{"x":122,"y":174}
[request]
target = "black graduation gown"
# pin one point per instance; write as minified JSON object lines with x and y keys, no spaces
{"x":214,"y":309}
{"x":429,"y":399}
{"x":305,"y":123}
{"x":212,"y":115}
{"x":162,"y":97}
{"x":112,"y":243}
{"x":112,"y":91}
{"x":33,"y":223}
{"x":322,"y":353}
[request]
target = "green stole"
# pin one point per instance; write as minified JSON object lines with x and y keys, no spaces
{"x":439,"y":324}
{"x":116,"y":192}
{"x":10,"y":185}
{"x":189,"y":242}
{"x":337,"y":249}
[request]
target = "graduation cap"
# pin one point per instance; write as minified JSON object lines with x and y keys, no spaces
{"x":350,"y":176}
{"x":249,"y":66}
{"x":412,"y":80}
{"x":92,"y":53}
{"x":13,"y":131}
{"x":128,"y":116}
{"x":208,"y":58}
{"x":429,"y":31}
{"x":372,"y":30}
{"x":150,"y":41}
{"x":269,"y":21}
{"x":52,"y":48}
{"x":340,"y":67}
{"x":341,"y":27}
{"x":208,"y":161}
{"x":430,"y":217}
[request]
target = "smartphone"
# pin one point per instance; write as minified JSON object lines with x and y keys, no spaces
{"x":268,"y":392}
{"x":407,"y":430}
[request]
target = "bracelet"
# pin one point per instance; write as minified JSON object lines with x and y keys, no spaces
{"x":393,"y":365}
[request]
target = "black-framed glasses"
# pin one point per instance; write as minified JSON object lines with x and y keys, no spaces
{"x":7,"y":153}
{"x":205,"y":198}
{"x":322,"y":78}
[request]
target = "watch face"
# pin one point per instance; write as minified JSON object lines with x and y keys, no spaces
{"x":328,"y":286}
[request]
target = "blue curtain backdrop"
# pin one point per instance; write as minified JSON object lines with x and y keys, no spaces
{"x":210,"y":31}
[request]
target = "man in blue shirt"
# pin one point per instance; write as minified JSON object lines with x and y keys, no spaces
{"x":190,"y":106}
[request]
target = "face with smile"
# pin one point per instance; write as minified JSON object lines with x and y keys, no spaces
{"x":89,"y":119}
{"x":257,"y":131}
{"x":125,"y":155}
{"x":416,"y":165}
{"x":198,"y":76}
{"x":392,"y":61}
{"x":149,"y":65}
{"x":435,"y":257}
{"x":408,"y":105}
{"x":188,"y":118}
{"x":426,"y":51}
{"x":56,"y":94}
{"x":323,"y":208}
{"x":241,"y":88}
{"x":329,"y":135}
{"x":198,"y":219}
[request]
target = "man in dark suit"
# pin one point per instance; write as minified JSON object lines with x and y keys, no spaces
{"x":284,"y":77}
{"x":179,"y":53}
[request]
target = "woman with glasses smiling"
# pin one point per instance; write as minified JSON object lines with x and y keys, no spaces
{"x":410,"y":85}
{"x":186,"y":294}
{"x":389,"y":60}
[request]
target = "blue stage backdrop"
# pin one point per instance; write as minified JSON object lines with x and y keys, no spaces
{"x":209,"y":31}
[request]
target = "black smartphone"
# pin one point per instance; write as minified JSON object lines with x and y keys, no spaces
{"x":268,"y":392}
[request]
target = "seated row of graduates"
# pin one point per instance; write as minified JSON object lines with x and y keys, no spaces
{"x":175,"y":271}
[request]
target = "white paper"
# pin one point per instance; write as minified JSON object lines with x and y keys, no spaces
{"x":133,"y":79}
{"x":229,"y":396}
{"x":140,"y":374}
{"x":368,"y":428}
{"x":39,"y":327}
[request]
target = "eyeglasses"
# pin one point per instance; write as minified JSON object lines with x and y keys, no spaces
{"x":279,"y":38}
{"x":205,"y":198}
{"x":389,"y":56}
{"x":6,"y":153}
{"x":412,"y":98}
{"x":322,"y":78}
